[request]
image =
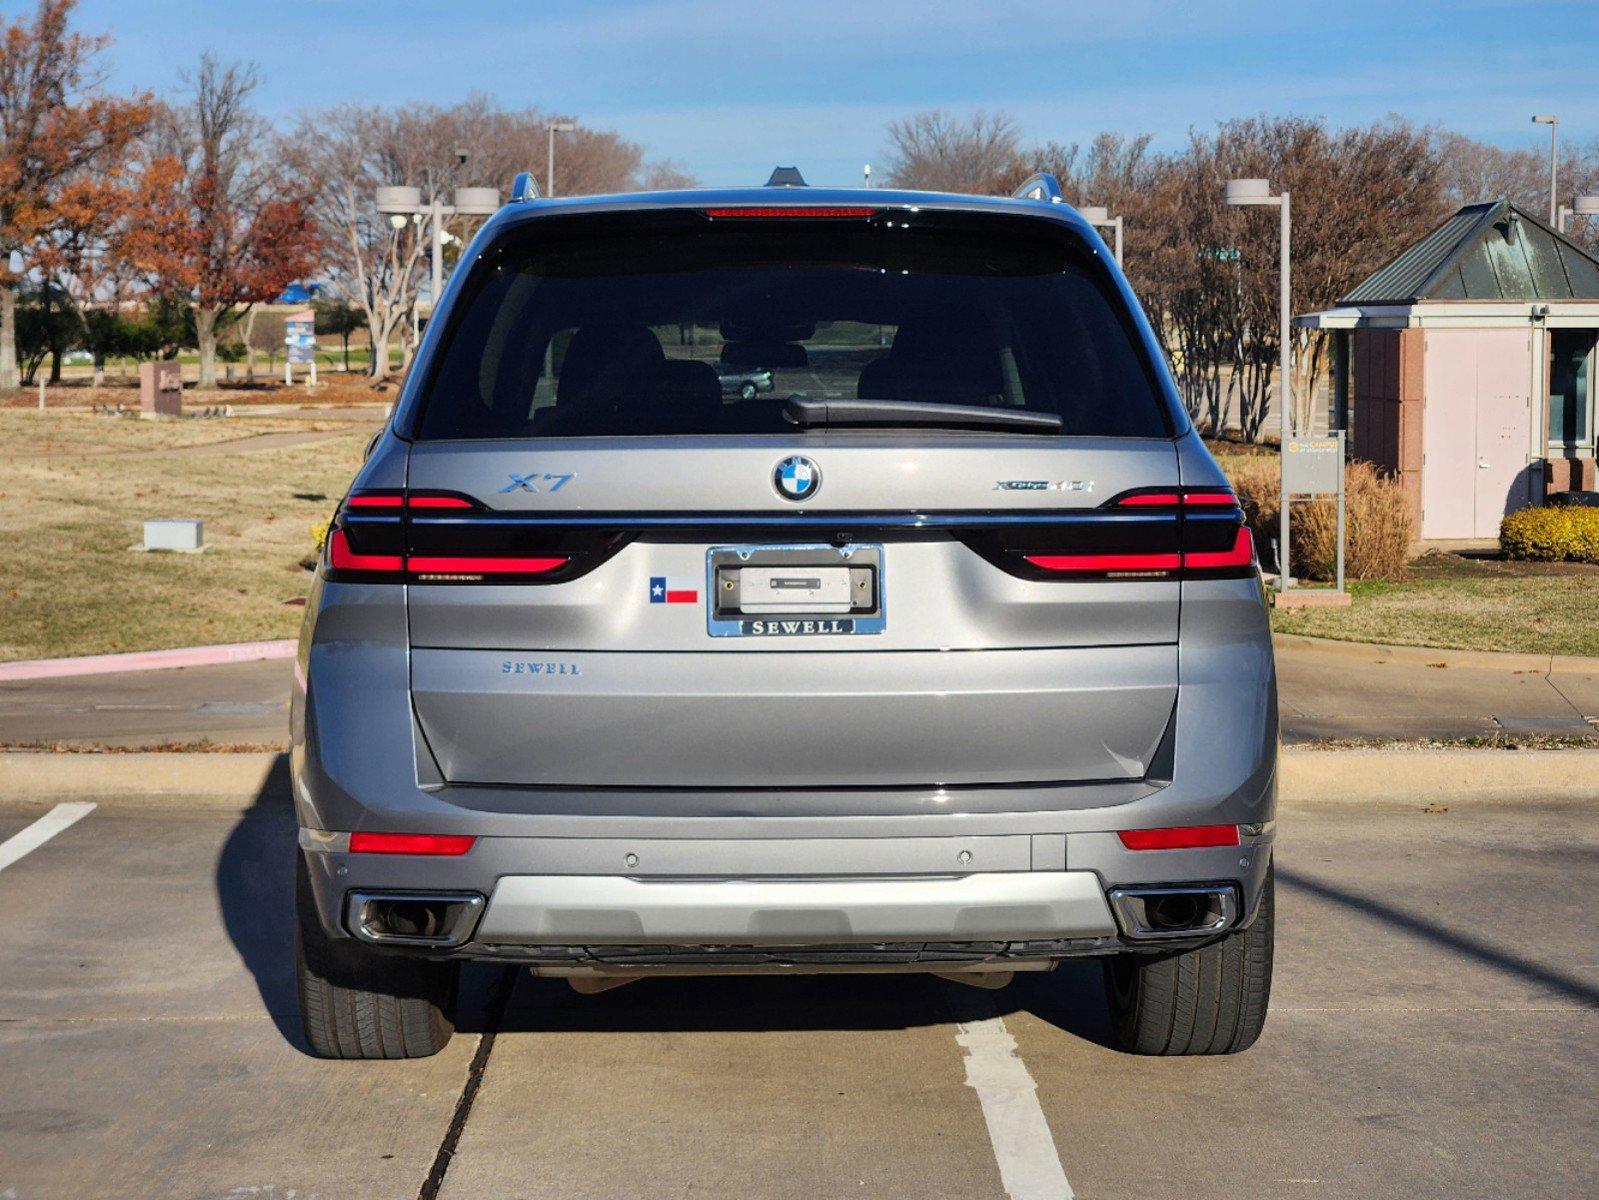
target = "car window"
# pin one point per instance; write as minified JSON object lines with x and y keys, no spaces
{"x":709,"y":326}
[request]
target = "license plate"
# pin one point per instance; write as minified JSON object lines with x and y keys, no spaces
{"x":794,"y":591}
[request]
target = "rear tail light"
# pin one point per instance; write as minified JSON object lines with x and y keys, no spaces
{"x":1185,"y":837}
{"x":1150,"y":533}
{"x":441,"y":845}
{"x":393,"y":535}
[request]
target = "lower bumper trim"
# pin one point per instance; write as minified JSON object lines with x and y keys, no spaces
{"x":595,"y":910}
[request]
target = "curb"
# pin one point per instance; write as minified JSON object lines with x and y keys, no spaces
{"x":146,"y":660}
{"x":1389,"y":779}
{"x":1422,"y":655}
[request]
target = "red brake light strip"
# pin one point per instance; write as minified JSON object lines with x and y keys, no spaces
{"x":794,"y":212}
{"x":1106,"y":562}
{"x":446,"y":845}
{"x":479,"y":565}
{"x":390,"y":500}
{"x":1188,"y":837}
{"x":1173,"y":499}
{"x":342,"y":558}
{"x":1241,"y":555}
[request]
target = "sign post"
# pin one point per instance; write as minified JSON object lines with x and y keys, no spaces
{"x":299,"y":338}
{"x":1314,"y":466}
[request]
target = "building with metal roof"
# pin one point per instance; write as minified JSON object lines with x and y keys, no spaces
{"x":1464,"y":367}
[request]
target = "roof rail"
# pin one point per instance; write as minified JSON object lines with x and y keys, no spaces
{"x":1042,"y":186}
{"x":524,"y":188}
{"x":786,"y":177}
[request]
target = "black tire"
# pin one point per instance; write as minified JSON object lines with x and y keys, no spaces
{"x":1210,"y":1000}
{"x":356,"y":1002}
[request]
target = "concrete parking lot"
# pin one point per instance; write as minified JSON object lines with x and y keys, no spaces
{"x":1432,"y":1034}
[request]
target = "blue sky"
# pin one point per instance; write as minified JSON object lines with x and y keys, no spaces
{"x":729,"y":87}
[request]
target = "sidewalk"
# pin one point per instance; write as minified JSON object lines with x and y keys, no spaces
{"x":1327,"y":690}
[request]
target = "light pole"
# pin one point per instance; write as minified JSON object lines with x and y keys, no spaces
{"x":554,"y":127}
{"x":1255,"y":192}
{"x":867,"y":171}
{"x":1099,"y":216}
{"x":1581,"y":206}
{"x":1551,"y":120}
{"x":402,"y":204}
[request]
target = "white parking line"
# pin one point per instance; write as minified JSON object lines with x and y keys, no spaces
{"x":1029,"y":1165}
{"x":62,"y":816}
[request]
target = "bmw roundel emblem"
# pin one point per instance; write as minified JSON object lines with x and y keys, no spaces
{"x":797,"y":478}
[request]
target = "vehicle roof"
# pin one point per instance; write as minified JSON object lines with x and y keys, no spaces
{"x":797,"y":197}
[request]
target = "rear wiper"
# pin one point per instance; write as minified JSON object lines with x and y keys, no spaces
{"x":902,"y":414}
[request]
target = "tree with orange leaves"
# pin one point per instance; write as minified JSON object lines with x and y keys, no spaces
{"x":62,"y":143}
{"x":217,"y":222}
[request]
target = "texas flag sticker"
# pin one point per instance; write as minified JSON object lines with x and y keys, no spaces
{"x":673,"y":590}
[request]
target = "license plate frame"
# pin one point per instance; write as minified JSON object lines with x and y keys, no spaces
{"x":725,"y":616}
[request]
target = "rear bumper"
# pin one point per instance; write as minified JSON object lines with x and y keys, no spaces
{"x":926,"y":899}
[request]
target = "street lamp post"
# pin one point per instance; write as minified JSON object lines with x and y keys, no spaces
{"x":1581,"y":206}
{"x":1258,"y":192}
{"x":1099,"y":216}
{"x":554,"y":128}
{"x":1551,"y":120}
{"x":402,"y":204}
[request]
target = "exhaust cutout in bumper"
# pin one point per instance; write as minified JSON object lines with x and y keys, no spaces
{"x":431,"y":919}
{"x":1161,"y":913}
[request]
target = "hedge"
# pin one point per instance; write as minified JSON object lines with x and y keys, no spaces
{"x":1551,"y":534}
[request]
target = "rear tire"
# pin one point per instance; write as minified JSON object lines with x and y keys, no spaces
{"x":356,"y":1002}
{"x":1210,"y":1000}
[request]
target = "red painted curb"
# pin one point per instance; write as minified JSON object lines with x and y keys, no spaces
{"x":146,"y":660}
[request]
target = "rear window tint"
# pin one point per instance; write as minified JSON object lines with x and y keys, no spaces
{"x":675,"y":323}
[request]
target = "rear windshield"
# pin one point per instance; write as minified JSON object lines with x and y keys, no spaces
{"x":678,"y":323}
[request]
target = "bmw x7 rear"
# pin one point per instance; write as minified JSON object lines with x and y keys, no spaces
{"x":945,"y":655}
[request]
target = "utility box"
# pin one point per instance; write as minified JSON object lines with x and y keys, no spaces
{"x":184,"y":536}
{"x":161,"y":389}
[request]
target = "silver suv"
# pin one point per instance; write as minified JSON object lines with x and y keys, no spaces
{"x":948,"y":655}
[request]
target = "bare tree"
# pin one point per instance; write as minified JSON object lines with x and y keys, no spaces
{"x":347,"y":153}
{"x":939,"y":151}
{"x":1472,"y":170}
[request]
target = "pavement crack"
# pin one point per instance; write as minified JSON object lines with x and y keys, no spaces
{"x":469,"y":1090}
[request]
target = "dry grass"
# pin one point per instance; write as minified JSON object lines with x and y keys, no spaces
{"x":74,"y":491}
{"x":1534,"y":614}
{"x":1378,"y":531}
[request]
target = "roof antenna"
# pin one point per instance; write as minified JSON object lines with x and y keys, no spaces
{"x":786,"y":177}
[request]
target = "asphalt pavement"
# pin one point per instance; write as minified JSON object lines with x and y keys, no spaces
{"x":1431,"y":1035}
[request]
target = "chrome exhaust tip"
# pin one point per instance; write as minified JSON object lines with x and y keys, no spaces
{"x":1150,"y":913}
{"x":433,"y":919}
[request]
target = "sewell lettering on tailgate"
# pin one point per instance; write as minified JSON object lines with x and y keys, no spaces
{"x":513,"y":667}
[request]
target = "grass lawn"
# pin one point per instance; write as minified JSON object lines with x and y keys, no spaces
{"x":75,"y":489}
{"x":1459,"y":602}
